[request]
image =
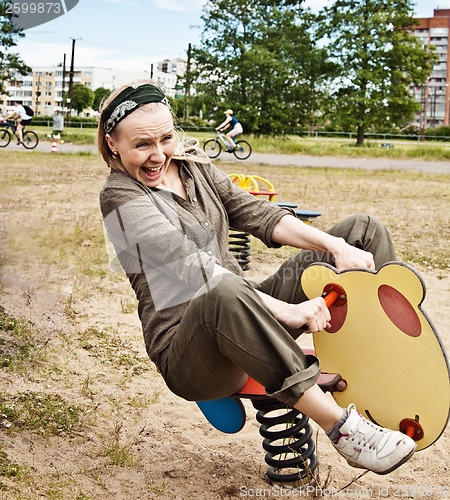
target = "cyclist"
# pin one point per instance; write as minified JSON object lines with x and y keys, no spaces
{"x":20,"y":115}
{"x":231,"y":121}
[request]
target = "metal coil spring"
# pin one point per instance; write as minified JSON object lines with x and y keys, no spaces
{"x":298,"y":448}
{"x":239,"y":246}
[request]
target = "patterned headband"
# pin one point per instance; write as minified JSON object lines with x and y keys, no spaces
{"x":128,"y":100}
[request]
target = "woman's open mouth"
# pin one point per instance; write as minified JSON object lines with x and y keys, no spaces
{"x":152,"y":173}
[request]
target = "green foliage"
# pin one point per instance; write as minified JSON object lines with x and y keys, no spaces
{"x":10,"y":63}
{"x":82,"y":97}
{"x":259,"y":58}
{"x":440,"y":133}
{"x":371,"y":43}
{"x":100,"y":94}
{"x":279,"y":67}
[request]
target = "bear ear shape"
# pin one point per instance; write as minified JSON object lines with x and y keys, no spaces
{"x":315,"y":277}
{"x":404,"y":279}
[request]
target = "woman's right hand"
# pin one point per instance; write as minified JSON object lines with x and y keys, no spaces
{"x":309,"y":316}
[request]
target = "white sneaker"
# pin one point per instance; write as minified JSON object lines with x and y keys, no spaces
{"x":369,"y":446}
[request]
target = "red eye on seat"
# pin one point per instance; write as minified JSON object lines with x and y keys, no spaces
{"x":399,"y":310}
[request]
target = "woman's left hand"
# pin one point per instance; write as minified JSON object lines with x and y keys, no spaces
{"x":347,"y":257}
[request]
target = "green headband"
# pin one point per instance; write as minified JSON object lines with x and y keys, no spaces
{"x":128,"y":100}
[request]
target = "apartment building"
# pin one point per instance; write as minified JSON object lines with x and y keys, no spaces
{"x":43,"y":89}
{"x":434,"y":96}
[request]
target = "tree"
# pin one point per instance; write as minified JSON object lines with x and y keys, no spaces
{"x":100,"y":94}
{"x":378,"y":57}
{"x":10,"y":63}
{"x":259,"y":58}
{"x":82,"y":97}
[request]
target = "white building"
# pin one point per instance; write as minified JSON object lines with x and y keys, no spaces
{"x":434,"y":96}
{"x":43,"y":89}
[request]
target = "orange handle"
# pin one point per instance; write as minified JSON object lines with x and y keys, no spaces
{"x":330,"y":298}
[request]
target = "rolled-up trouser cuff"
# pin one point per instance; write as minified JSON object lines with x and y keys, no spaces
{"x":295,"y":385}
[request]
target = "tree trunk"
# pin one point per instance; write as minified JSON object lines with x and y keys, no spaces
{"x":360,"y":136}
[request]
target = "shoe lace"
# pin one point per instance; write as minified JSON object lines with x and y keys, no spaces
{"x":367,"y":434}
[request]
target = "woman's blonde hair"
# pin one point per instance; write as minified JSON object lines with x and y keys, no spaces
{"x":186,"y":148}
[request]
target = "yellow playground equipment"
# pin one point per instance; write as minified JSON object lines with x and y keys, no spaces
{"x":239,"y":243}
{"x":250,"y":184}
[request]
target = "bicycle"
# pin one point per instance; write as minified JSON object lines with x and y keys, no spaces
{"x":213,"y":147}
{"x":30,"y":138}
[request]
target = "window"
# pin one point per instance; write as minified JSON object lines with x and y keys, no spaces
{"x":439,"y":31}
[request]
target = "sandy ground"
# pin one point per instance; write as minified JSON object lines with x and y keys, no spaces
{"x":179,"y":455}
{"x":176,"y":453}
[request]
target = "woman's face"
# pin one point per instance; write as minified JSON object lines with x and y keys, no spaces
{"x":145,"y":142}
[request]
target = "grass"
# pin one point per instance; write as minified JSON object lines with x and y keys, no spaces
{"x":15,"y":341}
{"x":411,"y":204}
{"x":45,"y":414}
{"x":414,"y":206}
{"x":118,"y":454}
{"x":296,"y":145}
{"x":83,"y":384}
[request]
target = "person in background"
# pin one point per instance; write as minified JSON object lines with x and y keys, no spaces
{"x":58,"y":123}
{"x":236,"y":128}
{"x":20,"y":115}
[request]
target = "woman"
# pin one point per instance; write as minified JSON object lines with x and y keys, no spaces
{"x":236,"y":129}
{"x":167,"y":211}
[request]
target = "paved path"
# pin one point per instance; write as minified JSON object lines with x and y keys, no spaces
{"x":437,"y":167}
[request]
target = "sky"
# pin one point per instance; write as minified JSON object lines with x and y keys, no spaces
{"x":130,"y":35}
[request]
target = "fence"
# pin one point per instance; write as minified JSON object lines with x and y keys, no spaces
{"x":317,"y":133}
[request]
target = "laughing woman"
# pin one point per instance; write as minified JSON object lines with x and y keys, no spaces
{"x":167,"y":211}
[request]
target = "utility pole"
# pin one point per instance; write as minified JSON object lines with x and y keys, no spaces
{"x":71,"y":73}
{"x":64,"y":84}
{"x":187,"y":87}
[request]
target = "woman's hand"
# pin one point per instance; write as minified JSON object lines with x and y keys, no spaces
{"x":309,"y":316}
{"x":347,"y":257}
